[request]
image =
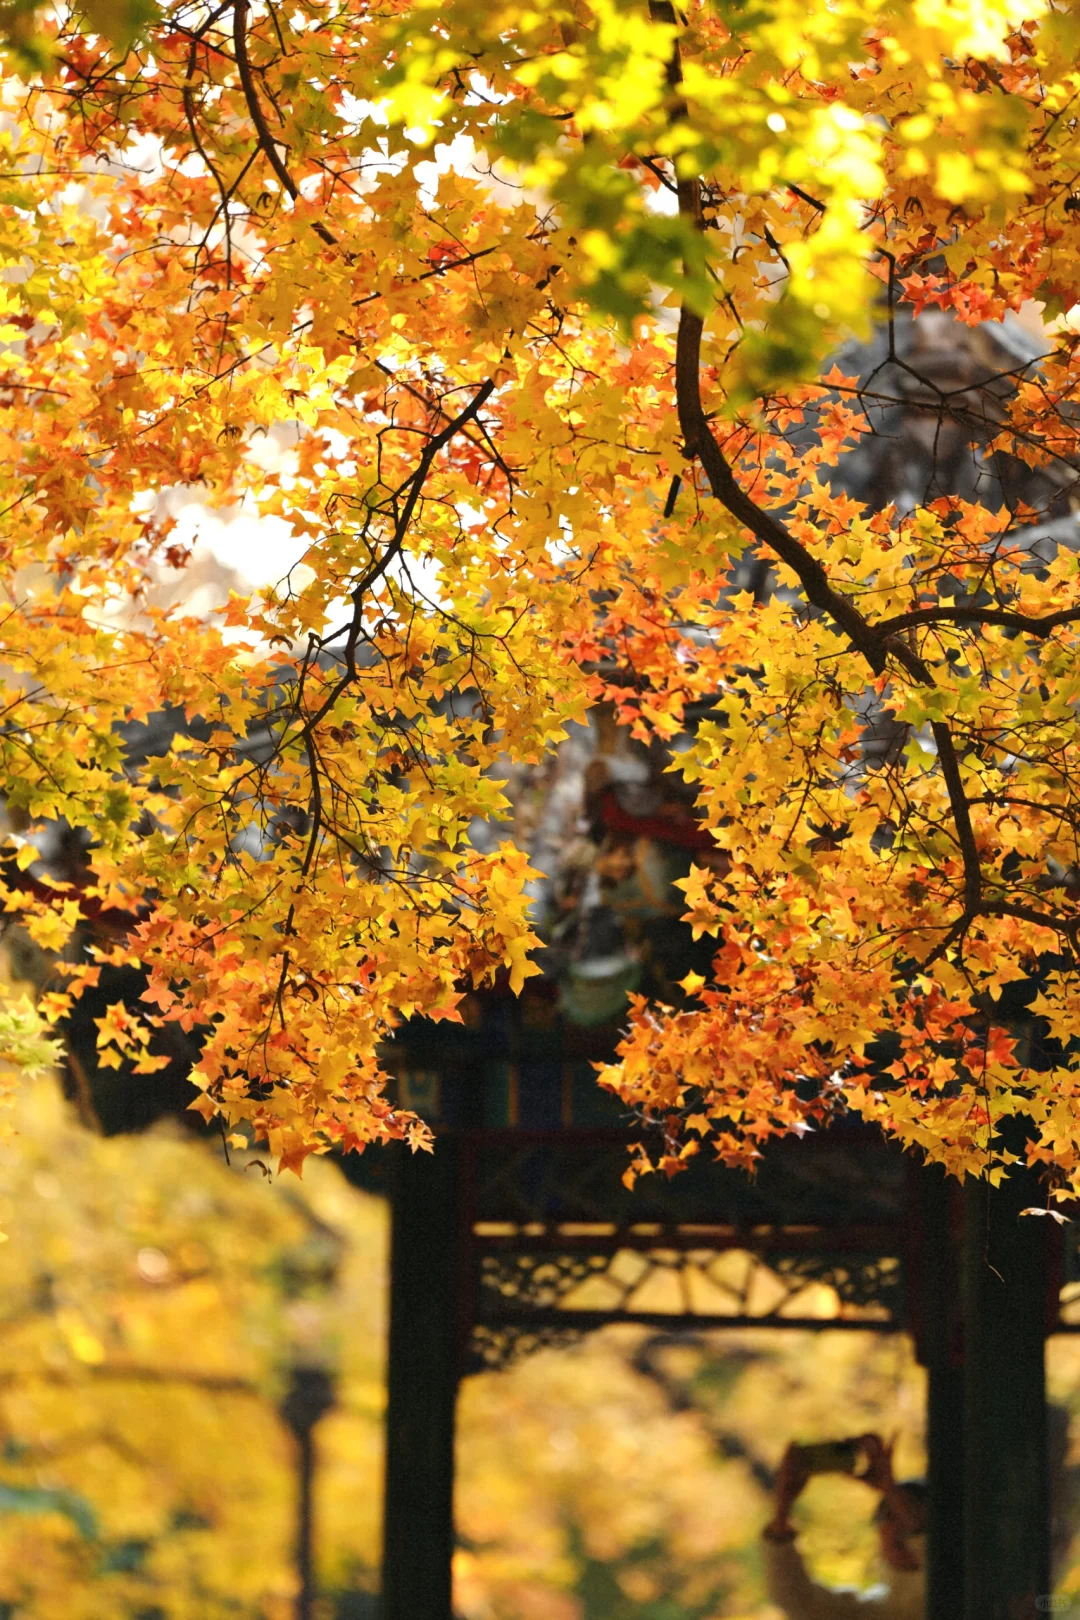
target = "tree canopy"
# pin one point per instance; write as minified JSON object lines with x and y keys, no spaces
{"x":517,"y":317}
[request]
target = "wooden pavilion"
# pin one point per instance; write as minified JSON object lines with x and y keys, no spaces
{"x":522,"y":1234}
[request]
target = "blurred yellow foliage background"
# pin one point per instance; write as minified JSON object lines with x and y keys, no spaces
{"x":152,"y":1300}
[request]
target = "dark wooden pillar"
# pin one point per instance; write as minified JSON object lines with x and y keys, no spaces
{"x":941,"y":1351}
{"x":422,"y":1377}
{"x":1006,"y":1506}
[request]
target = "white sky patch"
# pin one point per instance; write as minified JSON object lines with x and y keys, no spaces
{"x":661,"y":201}
{"x":259,"y":551}
{"x":461,"y":156}
{"x":456,"y":156}
{"x":562,"y":547}
{"x":233,"y":549}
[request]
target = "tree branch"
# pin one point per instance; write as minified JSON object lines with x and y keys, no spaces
{"x":307,"y":728}
{"x":1039,"y":627}
{"x":873,"y":642}
{"x":958,"y":804}
{"x":1069,"y":926}
{"x":258,"y":117}
{"x":700,"y":444}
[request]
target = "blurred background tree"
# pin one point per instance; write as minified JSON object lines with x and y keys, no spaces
{"x":152,"y":1311}
{"x":629,"y":1476}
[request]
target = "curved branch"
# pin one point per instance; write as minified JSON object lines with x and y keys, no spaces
{"x":958,"y":804}
{"x":1030,"y":914}
{"x":700,"y":444}
{"x":258,"y":117}
{"x":1039,"y":627}
{"x":1069,"y":927}
{"x":874,"y":642}
{"x":414,"y":484}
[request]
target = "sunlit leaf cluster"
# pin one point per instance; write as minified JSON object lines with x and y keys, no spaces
{"x":515,"y":318}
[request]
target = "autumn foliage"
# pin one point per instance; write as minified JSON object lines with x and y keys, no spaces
{"x":517,"y":317}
